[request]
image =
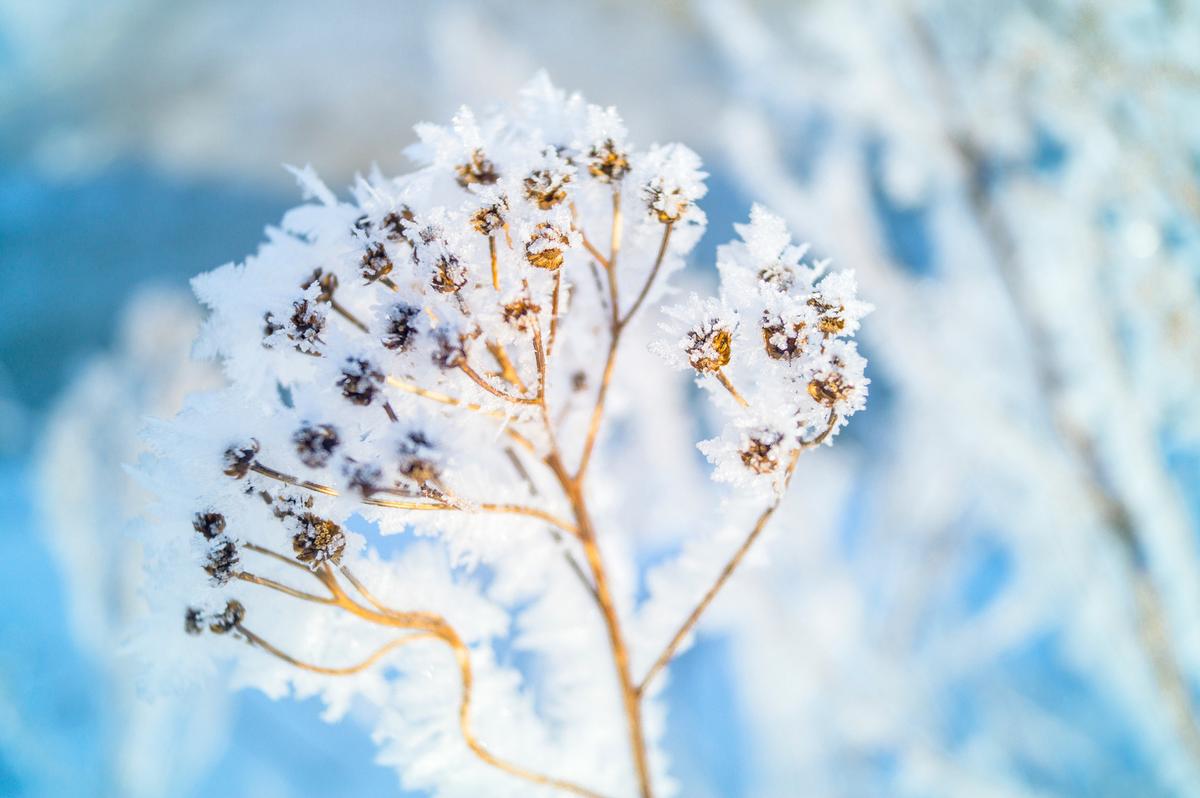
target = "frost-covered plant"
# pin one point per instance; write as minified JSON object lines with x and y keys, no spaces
{"x":436,"y":357}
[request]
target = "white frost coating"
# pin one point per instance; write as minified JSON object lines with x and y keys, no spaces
{"x":437,"y":343}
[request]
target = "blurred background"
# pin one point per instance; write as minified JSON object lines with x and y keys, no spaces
{"x":1002,"y":594}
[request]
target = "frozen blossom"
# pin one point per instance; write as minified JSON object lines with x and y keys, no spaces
{"x":779,"y":342}
{"x":434,"y":356}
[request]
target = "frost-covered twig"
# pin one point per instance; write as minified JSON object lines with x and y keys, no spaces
{"x":296,"y":449}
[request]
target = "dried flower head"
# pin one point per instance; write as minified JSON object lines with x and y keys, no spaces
{"x":394,"y":223}
{"x":315,"y":444}
{"x":301,"y":325}
{"x":675,"y":184}
{"x":607,"y":162}
{"x":360,"y":380}
{"x":417,"y":461}
{"x":318,"y":540}
{"x":762,"y":452}
{"x":489,"y":219}
{"x":287,"y":504}
{"x":375,"y":263}
{"x":209,"y":524}
{"x":239,"y":457}
{"x":520,"y":312}
{"x":783,"y":340}
{"x":365,"y":479}
{"x":193,"y":621}
{"x":228,"y":619}
{"x":545,"y":247}
{"x":477,"y":170}
{"x":547,"y":186}
{"x":400,"y":328}
{"x":222,"y":560}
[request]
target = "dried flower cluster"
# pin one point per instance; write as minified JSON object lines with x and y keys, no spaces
{"x":436,"y":356}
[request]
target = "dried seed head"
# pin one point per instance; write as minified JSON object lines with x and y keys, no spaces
{"x":579,"y":381}
{"x":362,"y":478}
{"x":667,"y":206}
{"x":318,"y":540}
{"x":239,"y":458}
{"x":830,"y":390}
{"x":305,"y":325}
{"x":779,"y":276}
{"x":208,"y":524}
{"x":449,"y":351}
{"x":490,"y":219}
{"x":545,"y":248}
{"x":228,"y":619}
{"x":289,"y":505}
{"x":832,"y":322}
{"x":607,"y":163}
{"x":709,"y":346}
{"x":400,"y":329}
{"x":360,"y":381}
{"x":375,"y":263}
{"x":415,"y":462}
{"x":519,"y":312}
{"x":546,"y":188}
{"x":479,"y":170}
{"x":781,"y":340}
{"x":193,"y":621}
{"x":315,"y":444}
{"x":762,"y":453}
{"x":394,"y":222}
{"x":449,"y":275}
{"x":222,"y":560}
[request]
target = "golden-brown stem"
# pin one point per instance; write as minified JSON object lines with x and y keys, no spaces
{"x":426,"y":626}
{"x":347,"y":315}
{"x":693,"y":618}
{"x":614,"y":239}
{"x":595,"y":253}
{"x":508,"y":372}
{"x":280,"y":557}
{"x":658,"y":262}
{"x":246,"y":576}
{"x":614,"y":301}
{"x":724,"y":380}
{"x":554,"y":312}
{"x":619,"y":325}
{"x":349,"y":670}
{"x":484,"y":507}
{"x":495,"y":267}
{"x":279,"y":476}
{"x":608,"y":610}
{"x":465,"y":368}
{"x":450,"y":400}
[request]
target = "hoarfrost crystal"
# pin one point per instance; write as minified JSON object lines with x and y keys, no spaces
{"x":437,"y":356}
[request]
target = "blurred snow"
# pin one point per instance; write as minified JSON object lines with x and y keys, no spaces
{"x":960,"y":618}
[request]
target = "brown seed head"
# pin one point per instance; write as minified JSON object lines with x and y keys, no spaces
{"x":608,"y":164}
{"x":478,"y":170}
{"x":545,"y":249}
{"x":318,"y":540}
{"x":711,"y":348}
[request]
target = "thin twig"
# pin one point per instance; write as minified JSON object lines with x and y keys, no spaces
{"x":668,"y":653}
{"x":725,"y":381}
{"x":484,"y":507}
